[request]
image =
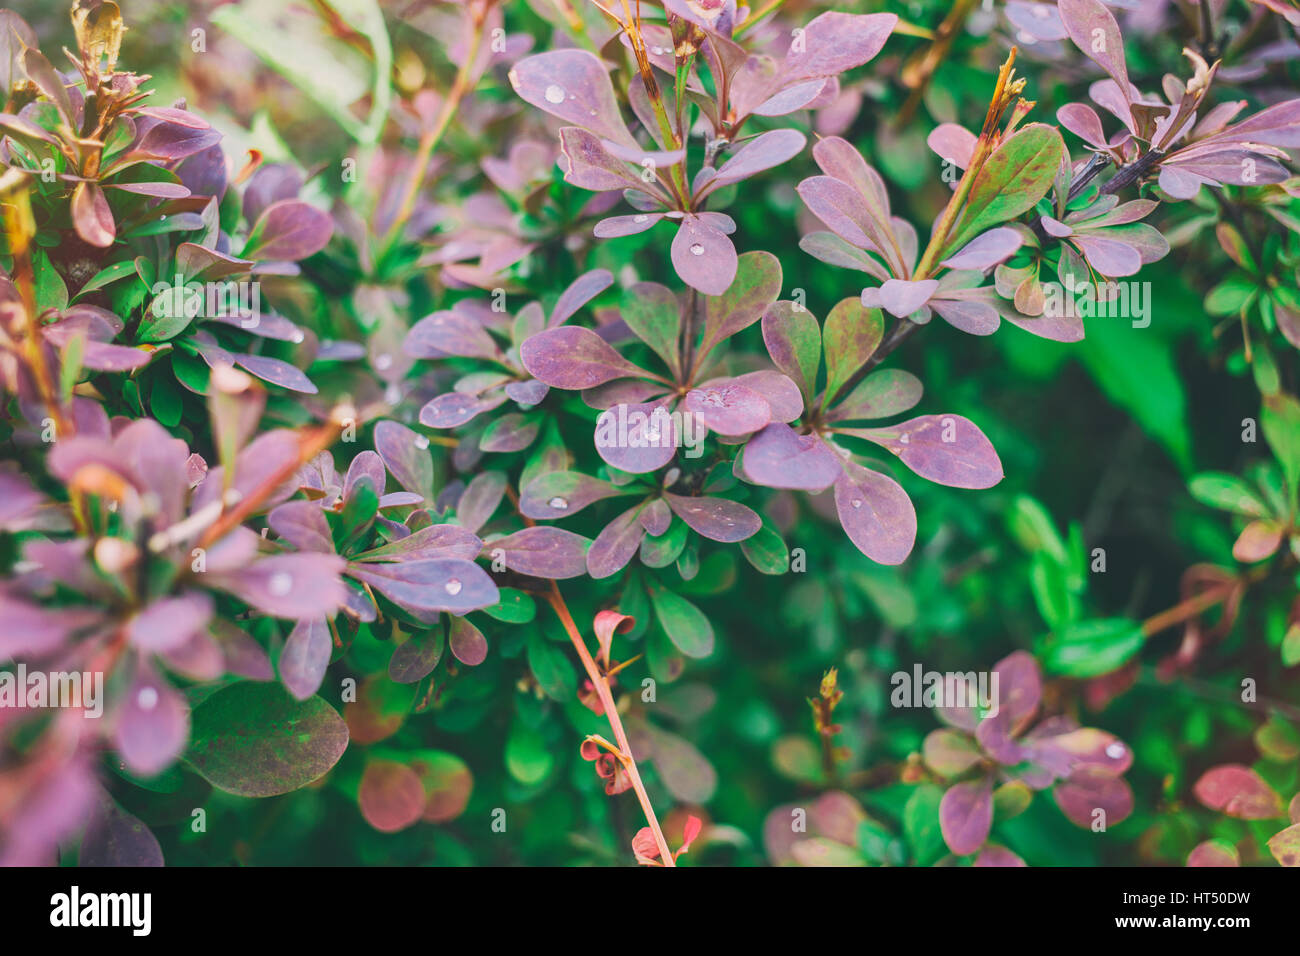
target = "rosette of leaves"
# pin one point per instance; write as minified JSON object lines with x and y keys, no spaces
{"x":151,"y":587}
{"x":1187,"y":146}
{"x":600,"y":153}
{"x":992,"y":762}
{"x":146,"y":178}
{"x":421,"y":568}
{"x":811,"y":455}
{"x":688,"y":339}
{"x":851,"y":199}
{"x":471,"y":331}
{"x":1098,"y":239}
{"x":87,"y":138}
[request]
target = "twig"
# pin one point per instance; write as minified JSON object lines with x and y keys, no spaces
{"x":601,"y":683}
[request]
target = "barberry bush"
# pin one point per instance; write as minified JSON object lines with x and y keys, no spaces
{"x":519,"y":432}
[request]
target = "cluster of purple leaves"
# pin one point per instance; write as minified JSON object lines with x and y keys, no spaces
{"x":599,"y":152}
{"x":1083,"y":766}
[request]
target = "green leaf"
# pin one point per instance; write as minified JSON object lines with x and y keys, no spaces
{"x":684,"y":623}
{"x":515,"y":607}
{"x":165,"y":400}
{"x":253,"y":739}
{"x":1092,"y":648}
{"x":921,"y":824}
{"x":528,"y":758}
{"x":1050,"y":587}
{"x":766,"y":550}
{"x":107,"y":276}
{"x":1232,"y":296}
{"x":1280,"y":421}
{"x":1218,"y":489}
{"x":851,"y":334}
{"x":662,"y":550}
{"x":552,"y":669}
{"x":1014,"y":178}
{"x":1033,"y":527}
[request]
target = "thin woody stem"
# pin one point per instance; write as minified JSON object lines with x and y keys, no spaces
{"x":429,"y":141}
{"x":601,"y":683}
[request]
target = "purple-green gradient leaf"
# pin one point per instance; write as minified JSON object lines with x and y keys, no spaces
{"x":254,"y":740}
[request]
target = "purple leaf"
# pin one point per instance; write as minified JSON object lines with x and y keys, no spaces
{"x":435,"y":541}
{"x":450,"y":333}
{"x":305,"y":657}
{"x":365,"y":467}
{"x":947,"y":449}
{"x":480,"y":499}
{"x":716,"y":518}
{"x":876,"y":514}
{"x":1082,"y":120}
{"x":276,"y":372}
{"x":966,"y":815}
{"x":1094,"y":31}
{"x":1089,"y":790}
{"x":615,"y":546}
{"x":453,"y":409}
{"x":151,"y":725}
{"x":574,"y":86}
{"x":287,"y":231}
{"x":779,"y":457}
{"x":512,"y":432}
{"x":994,"y":855}
{"x":467,"y":642}
{"x":705,"y":259}
{"x":416,"y":659}
{"x":406,"y":454}
{"x":168,"y":623}
{"x":115,"y":838}
{"x":572,"y":357}
{"x":728,"y":408}
{"x":781,"y":394}
{"x":656,"y":517}
{"x":438,"y":584}
{"x":528,"y":393}
{"x":543,"y":552}
{"x":581,"y":291}
{"x":588,"y":163}
{"x":952,"y":143}
{"x":616,"y":226}
{"x":1020,"y":688}
{"x":293,"y":586}
{"x":834,"y":42}
{"x":986,"y":251}
{"x":1239,"y":792}
{"x":637,"y":438}
{"x":558,"y":494}
{"x":762,"y":152}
